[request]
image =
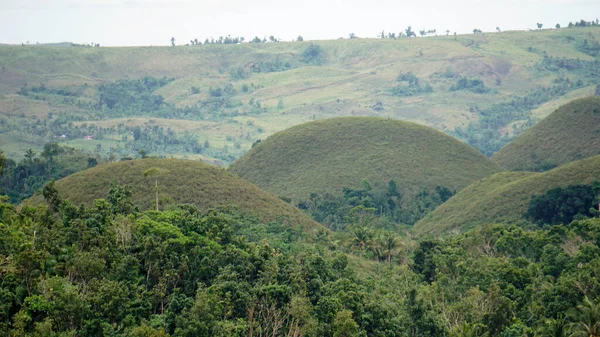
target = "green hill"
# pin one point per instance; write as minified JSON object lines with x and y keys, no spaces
{"x":570,"y":133}
{"x":179,"y":181}
{"x":503,"y":197}
{"x":217,"y":100}
{"x":326,"y":155}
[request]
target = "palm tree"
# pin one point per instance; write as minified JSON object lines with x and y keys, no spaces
{"x":554,"y":328}
{"x":156,"y":172}
{"x":389,"y":243}
{"x":587,"y":320}
{"x":361,"y":237}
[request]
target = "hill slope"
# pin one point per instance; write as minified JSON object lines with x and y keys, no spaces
{"x":503,"y":197}
{"x":324,"y":156}
{"x":570,"y":133}
{"x":180,"y":181}
{"x":224,"y":97}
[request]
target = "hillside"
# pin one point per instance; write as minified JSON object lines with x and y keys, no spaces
{"x":216,"y":100}
{"x":326,"y":155}
{"x":503,"y":197}
{"x":570,"y":133}
{"x":179,"y":181}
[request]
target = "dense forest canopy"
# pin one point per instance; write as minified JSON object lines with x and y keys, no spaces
{"x":110,"y":270}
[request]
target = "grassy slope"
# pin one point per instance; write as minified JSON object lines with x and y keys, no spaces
{"x":356,"y":75}
{"x":503,"y":197}
{"x":324,"y":156}
{"x":570,"y":133}
{"x":184,"y":181}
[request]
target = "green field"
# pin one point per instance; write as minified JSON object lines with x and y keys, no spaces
{"x":325,"y":156}
{"x":570,"y":133}
{"x":503,"y":197}
{"x":179,"y":182}
{"x":273,"y":86}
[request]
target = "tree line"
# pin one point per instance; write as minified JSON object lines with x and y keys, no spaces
{"x":108,"y":269}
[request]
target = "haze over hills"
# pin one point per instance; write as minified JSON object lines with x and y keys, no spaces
{"x":179,"y":182}
{"x":503,"y":197}
{"x":217,"y":99}
{"x":325,"y":156}
{"x":572,"y":132}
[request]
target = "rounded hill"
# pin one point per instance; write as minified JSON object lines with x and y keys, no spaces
{"x":179,"y":181}
{"x":570,"y":133}
{"x":503,"y":197}
{"x":326,"y":155}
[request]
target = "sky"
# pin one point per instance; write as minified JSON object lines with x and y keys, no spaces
{"x":154,"y":22}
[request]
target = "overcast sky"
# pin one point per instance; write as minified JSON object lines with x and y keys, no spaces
{"x":154,"y":22}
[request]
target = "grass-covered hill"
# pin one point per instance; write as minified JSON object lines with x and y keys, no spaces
{"x":570,"y":133}
{"x":182,"y":182}
{"x":216,"y":100}
{"x":503,"y":197}
{"x":326,"y":155}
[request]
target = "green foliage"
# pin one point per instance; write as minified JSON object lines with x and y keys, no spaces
{"x":344,"y":325}
{"x":313,"y":54}
{"x":97,"y":271}
{"x":20,"y":180}
{"x":274,"y":64}
{"x":412,"y":86}
{"x":388,"y":207}
{"x":570,"y":133}
{"x":132,"y":94}
{"x":561,"y":205}
{"x":474,"y":85}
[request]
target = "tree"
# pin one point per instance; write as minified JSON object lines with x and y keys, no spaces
{"x":155,"y":172}
{"x":409,"y":32}
{"x":498,"y":29}
{"x":344,"y":326}
{"x":173,"y":42}
{"x":92,"y":162}
{"x":554,"y":328}
{"x":299,"y":38}
{"x":51,"y":196}
{"x":422,"y":32}
{"x":313,"y":54}
{"x":557,"y":26}
{"x":560,"y":205}
{"x":389,"y":243}
{"x":30,"y":156}
{"x":539,"y":25}
{"x":587,"y":320}
{"x":352,"y":36}
{"x":51,"y":149}
{"x":361,"y":237}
